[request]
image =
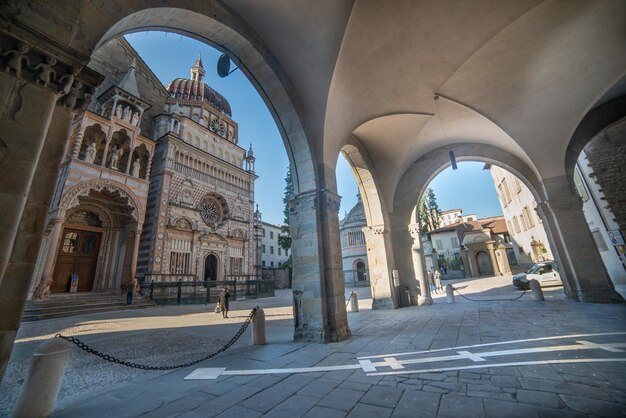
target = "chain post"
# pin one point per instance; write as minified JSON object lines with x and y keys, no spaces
{"x":179,"y":293}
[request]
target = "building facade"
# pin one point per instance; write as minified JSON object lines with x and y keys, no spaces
{"x":484,"y":246}
{"x":601,"y":220}
{"x":353,"y":245}
{"x":528,"y":237}
{"x":272,"y":254}
{"x":151,"y":185}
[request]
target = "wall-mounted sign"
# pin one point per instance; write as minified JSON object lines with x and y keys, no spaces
{"x":74,"y":283}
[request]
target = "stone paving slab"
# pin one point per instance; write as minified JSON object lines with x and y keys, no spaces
{"x":544,"y":390}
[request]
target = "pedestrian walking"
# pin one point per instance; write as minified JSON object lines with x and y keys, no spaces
{"x":223,"y":301}
{"x":131,"y":286}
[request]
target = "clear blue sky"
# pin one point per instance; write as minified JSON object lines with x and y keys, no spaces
{"x":469,"y":188}
{"x":170,"y":56}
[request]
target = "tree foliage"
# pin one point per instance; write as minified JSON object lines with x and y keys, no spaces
{"x":428,"y":211}
{"x":284,"y":241}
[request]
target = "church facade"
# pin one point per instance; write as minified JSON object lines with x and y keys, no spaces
{"x":153,"y":185}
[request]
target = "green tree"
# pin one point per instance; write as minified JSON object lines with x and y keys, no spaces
{"x":428,"y":211}
{"x":284,"y":241}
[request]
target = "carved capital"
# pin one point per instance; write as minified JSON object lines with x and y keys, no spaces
{"x":304,"y":202}
{"x":414,"y":230}
{"x":332,"y":200}
{"x":36,"y":62}
{"x":371,"y":231}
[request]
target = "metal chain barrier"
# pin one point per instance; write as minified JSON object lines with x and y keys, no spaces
{"x":487,"y":300}
{"x":115,"y":360}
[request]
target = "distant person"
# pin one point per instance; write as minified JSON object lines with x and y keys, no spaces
{"x":437,"y":277}
{"x":431,"y":281}
{"x":223,"y":301}
{"x":131,"y":286}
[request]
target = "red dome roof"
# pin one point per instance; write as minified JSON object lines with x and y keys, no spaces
{"x":185,"y":88}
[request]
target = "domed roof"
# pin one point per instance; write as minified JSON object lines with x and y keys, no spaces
{"x":185,"y":88}
{"x":195,"y":89}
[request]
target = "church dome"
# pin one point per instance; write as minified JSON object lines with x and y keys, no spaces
{"x":194,"y":88}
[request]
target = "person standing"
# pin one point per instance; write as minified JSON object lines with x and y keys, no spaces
{"x":131,"y":286}
{"x":223,"y":299}
{"x":437,"y":277}
{"x":431,"y":281}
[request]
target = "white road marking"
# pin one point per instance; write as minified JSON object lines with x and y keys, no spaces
{"x":606,"y":347}
{"x":495,"y":365}
{"x":556,"y":337}
{"x":473,"y":357}
{"x":393,"y":363}
{"x":371,"y":368}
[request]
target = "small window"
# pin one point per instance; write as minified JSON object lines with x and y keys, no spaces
{"x":516,"y":225}
{"x":263,"y":248}
{"x":271,"y":234}
{"x":279,"y":251}
{"x":271,"y":264}
{"x":263,"y":263}
{"x":271,"y":249}
{"x":439,"y":244}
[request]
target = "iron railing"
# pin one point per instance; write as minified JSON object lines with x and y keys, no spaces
{"x":355,"y":278}
{"x":198,"y":292}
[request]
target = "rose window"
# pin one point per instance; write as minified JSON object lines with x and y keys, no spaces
{"x":212,"y":211}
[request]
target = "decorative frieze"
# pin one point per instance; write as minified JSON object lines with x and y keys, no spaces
{"x":31,"y":64}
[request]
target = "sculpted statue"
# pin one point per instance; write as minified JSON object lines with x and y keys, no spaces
{"x":70,"y":99}
{"x":45,"y":73}
{"x":15,"y":58}
{"x":136,"y":167}
{"x":118,"y":111}
{"x":135,"y":119}
{"x":90,"y":153}
{"x":67,"y":81}
{"x":126,"y":113}
{"x":116,"y":153}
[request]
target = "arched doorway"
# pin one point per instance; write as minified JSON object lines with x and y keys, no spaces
{"x":484,"y":264}
{"x":211,"y":264}
{"x":77,"y":256}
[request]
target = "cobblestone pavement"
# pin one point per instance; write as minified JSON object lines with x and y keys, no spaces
{"x":468,"y":359}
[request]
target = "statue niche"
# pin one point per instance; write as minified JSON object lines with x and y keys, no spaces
{"x":119,"y":151}
{"x":92,"y":147}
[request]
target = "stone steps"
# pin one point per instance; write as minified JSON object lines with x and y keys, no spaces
{"x":61,"y":306}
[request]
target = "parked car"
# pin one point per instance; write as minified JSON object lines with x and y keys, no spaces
{"x":545,"y":272}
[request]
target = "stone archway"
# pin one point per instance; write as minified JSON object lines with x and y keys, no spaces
{"x":377,"y":234}
{"x":410,"y":263}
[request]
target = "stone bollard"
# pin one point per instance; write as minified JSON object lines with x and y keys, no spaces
{"x":535,"y":289}
{"x":41,"y":387}
{"x":449,"y":293}
{"x":258,"y":327}
{"x":354,"y":302}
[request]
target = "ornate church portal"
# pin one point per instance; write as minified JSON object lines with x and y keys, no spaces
{"x":77,"y":255}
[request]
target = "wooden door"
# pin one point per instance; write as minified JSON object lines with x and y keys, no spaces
{"x":78,"y":254}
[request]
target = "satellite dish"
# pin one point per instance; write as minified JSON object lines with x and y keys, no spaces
{"x":223,"y":65}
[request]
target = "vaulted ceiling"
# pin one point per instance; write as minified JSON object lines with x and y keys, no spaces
{"x":516,"y":74}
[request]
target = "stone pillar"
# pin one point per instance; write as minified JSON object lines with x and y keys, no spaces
{"x":318,"y":287}
{"x":42,"y":290}
{"x":378,"y":261}
{"x":503,"y":260}
{"x":419,"y":266}
{"x":135,"y":256}
{"x":580,"y":265}
{"x":466,"y":265}
{"x":471,"y":256}
{"x":493,"y":258}
{"x":32,"y":146}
